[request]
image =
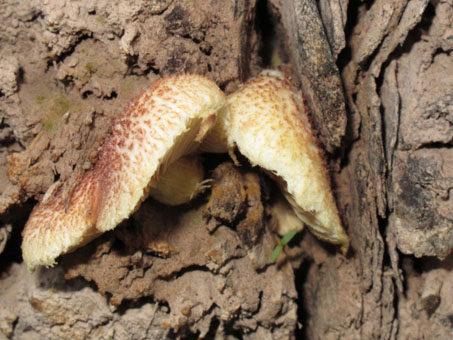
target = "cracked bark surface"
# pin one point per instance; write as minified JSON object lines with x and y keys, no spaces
{"x":201,"y":270}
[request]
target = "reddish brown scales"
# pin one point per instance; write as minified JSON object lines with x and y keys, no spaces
{"x":130,"y":157}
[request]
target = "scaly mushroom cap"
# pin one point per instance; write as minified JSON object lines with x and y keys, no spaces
{"x":267,"y":122}
{"x":166,"y":122}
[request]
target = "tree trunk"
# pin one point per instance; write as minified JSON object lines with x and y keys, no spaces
{"x":378,"y":79}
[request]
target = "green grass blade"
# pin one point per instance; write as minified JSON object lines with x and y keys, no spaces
{"x":278,"y":249}
{"x":288,"y":237}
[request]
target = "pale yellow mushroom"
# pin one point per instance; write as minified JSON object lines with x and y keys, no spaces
{"x":216,"y":140}
{"x":163,"y":124}
{"x":266,"y":121}
{"x":182,"y":181}
{"x":285,"y":216}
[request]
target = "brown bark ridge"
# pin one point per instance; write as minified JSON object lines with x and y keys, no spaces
{"x":378,"y":79}
{"x":316,"y":68}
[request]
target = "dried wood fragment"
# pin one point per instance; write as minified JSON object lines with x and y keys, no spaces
{"x":316,"y":68}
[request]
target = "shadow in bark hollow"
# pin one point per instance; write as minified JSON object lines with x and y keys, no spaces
{"x":17,"y":217}
{"x":345,"y":55}
{"x":418,"y":31}
{"x":52,"y":61}
{"x":303,"y":315}
{"x":127,"y":304}
{"x":414,"y":36}
{"x":265,"y":27}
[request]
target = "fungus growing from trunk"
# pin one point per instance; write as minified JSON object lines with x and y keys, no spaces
{"x":163,"y":124}
{"x":265,"y":120}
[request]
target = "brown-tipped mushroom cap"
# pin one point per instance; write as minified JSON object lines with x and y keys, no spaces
{"x":267,"y":122}
{"x":166,"y":122}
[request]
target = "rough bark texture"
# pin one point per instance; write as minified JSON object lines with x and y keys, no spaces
{"x":67,"y":68}
{"x":316,"y":68}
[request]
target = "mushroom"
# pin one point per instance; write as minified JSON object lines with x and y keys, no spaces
{"x":267,"y":122}
{"x":182,"y":181}
{"x":284,"y":215}
{"x":166,"y":122}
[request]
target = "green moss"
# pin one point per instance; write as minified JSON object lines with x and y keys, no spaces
{"x":40,"y":98}
{"x":100,"y":20}
{"x":90,"y":67}
{"x":61,"y":105}
{"x":57,"y":108}
{"x":218,"y":233}
{"x":49,"y":123}
{"x":98,"y":68}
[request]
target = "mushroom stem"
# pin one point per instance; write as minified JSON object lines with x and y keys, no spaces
{"x":182,"y":181}
{"x":285,"y":216}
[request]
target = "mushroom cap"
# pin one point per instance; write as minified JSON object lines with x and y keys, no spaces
{"x":164,"y":123}
{"x":268,"y":123}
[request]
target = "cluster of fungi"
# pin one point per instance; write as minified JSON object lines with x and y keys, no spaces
{"x":166,"y":128}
